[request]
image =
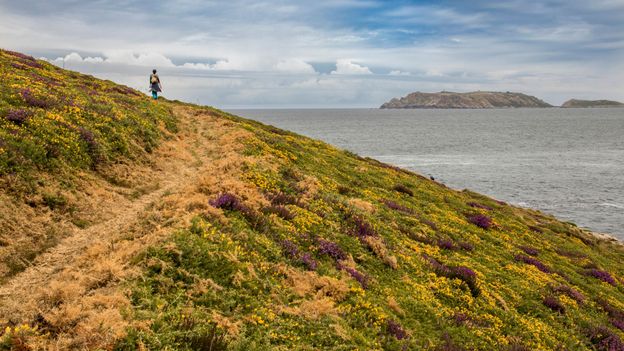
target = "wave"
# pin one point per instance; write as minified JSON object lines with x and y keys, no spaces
{"x":612,"y":205}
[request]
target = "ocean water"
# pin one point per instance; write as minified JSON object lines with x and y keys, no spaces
{"x":567,"y":162}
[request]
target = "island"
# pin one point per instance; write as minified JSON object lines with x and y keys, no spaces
{"x":472,"y":100}
{"x":576,"y":103}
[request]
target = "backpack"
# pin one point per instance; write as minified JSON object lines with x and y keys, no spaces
{"x":153,"y":79}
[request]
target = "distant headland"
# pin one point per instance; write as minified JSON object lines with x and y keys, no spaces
{"x":575,"y":103}
{"x":477,"y":99}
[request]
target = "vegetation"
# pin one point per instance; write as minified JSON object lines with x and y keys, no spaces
{"x":303,"y":246}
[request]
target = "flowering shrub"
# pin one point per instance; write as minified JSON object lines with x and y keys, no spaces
{"x":462,"y":273}
{"x":446,"y":244}
{"x":358,"y":276}
{"x":604,"y":339}
{"x":362,"y":228}
{"x":466,"y":246}
{"x":331,"y":249}
{"x":602,"y":275}
{"x":571,"y":293}
{"x":227,"y":201}
{"x":397,"y":207}
{"x":309,"y":261}
{"x":616,"y":315}
{"x":403,"y":189}
{"x":281,"y":199}
{"x":429,"y":223}
{"x":534,"y":262}
{"x":481,"y":221}
{"x":478,"y":205}
{"x":529,"y":250}
{"x":280,"y":211}
{"x":32,"y":100}
{"x":554,"y":304}
{"x":394,"y":328}
{"x":290,"y":248}
{"x":18,"y":116}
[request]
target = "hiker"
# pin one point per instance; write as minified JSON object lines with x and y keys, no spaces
{"x":155,"y":85}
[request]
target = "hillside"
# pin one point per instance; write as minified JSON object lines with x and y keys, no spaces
{"x":477,"y":99}
{"x":128,"y":224}
{"x":574,"y":103}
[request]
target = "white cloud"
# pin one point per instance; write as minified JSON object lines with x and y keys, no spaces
{"x":294,"y":66}
{"x":345,"y":66}
{"x":142,"y":59}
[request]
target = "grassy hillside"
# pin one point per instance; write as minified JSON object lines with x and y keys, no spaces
{"x":291,"y":244}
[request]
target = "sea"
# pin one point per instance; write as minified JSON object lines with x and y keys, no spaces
{"x":566,"y":162}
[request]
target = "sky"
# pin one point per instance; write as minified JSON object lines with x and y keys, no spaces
{"x":330,"y":53}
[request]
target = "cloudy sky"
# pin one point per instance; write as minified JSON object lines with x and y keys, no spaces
{"x":330,"y":53}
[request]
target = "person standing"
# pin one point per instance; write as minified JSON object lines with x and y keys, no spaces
{"x":155,"y":85}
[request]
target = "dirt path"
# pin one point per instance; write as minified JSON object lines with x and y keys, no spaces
{"x":74,"y":291}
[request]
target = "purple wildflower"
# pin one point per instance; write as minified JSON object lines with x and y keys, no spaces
{"x":466,"y":246}
{"x":481,"y":221}
{"x":20,"y":55}
{"x":602,"y":275}
{"x":332,"y":250}
{"x":533,"y":261}
{"x":309,"y":262}
{"x":393,"y":328}
{"x":429,"y":223}
{"x":283,"y":199}
{"x":290,"y":248}
{"x":529,"y":250}
{"x":362,"y":228}
{"x":446,"y":244}
{"x":403,"y":189}
{"x":618,"y":323}
{"x":18,"y":117}
{"x":554,"y":304}
{"x":359,"y":277}
{"x":397,"y":207}
{"x":227,"y":201}
{"x":280,"y":211}
{"x":465,"y":274}
{"x":461,"y":318}
{"x":33,"y":100}
{"x":604,"y":339}
{"x":572,"y":293}
{"x":478,"y":205}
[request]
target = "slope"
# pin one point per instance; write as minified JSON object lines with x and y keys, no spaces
{"x":236,"y":235}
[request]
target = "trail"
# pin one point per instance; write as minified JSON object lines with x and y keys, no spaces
{"x":74,"y":290}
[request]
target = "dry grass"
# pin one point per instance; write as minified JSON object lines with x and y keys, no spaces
{"x":74,"y":290}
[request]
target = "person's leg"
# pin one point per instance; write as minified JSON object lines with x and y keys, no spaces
{"x":154,"y":94}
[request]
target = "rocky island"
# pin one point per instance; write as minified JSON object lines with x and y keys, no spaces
{"x":477,"y":99}
{"x":574,"y":103}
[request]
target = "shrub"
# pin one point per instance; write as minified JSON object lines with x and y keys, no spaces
{"x":309,"y":261}
{"x":283,"y":199}
{"x":397,"y":207}
{"x":446,"y":244}
{"x":553,"y":303}
{"x":466,"y":246}
{"x":331,"y":249}
{"x":602,"y":275}
{"x":403,"y":189}
{"x":529,"y":250}
{"x":534,"y":262}
{"x":35,"y":101}
{"x":290,"y":248}
{"x":394,"y":328}
{"x":362,"y":228}
{"x":570,"y":292}
{"x":429,"y":223}
{"x":478,"y":205}
{"x":227,"y":201}
{"x":481,"y":221}
{"x":358,"y":276}
{"x":280,"y":211}
{"x":604,"y":339}
{"x":18,"y":117}
{"x":465,"y":274}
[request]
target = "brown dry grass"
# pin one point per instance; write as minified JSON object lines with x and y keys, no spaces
{"x":74,"y":291}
